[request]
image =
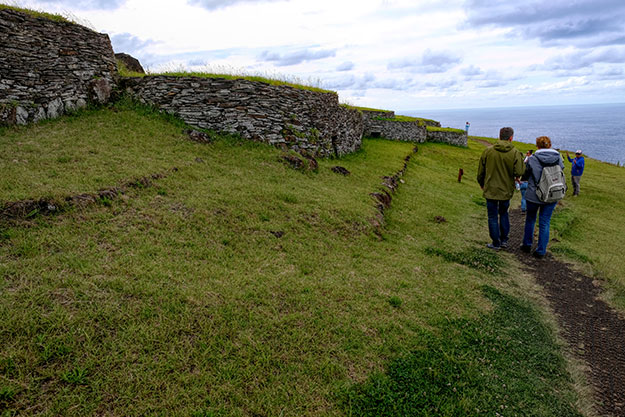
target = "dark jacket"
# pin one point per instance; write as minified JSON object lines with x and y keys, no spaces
{"x":534,"y":169}
{"x":498,"y":166}
{"x":578,"y":165}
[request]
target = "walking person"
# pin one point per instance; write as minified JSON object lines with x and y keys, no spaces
{"x":543,"y":157}
{"x":499,"y":165}
{"x":577,"y":169}
{"x":523,"y":184}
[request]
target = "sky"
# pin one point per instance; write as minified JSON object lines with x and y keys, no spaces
{"x":389,"y":54}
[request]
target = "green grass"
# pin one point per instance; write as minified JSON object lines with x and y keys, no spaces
{"x":239,"y":286}
{"x":365,"y":108}
{"x":37,"y":13}
{"x":123,"y":70}
{"x":275,"y":80}
{"x":435,"y":380}
{"x":588,"y":228}
{"x":444,"y":129}
{"x":89,"y":150}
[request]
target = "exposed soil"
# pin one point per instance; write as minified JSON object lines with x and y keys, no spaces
{"x":383,"y":198}
{"x":482,"y":141}
{"x":23,"y":209}
{"x":594,"y":331}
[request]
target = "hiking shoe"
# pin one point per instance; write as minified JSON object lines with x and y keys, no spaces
{"x":493,"y":247}
{"x":504,"y":244}
{"x":539,"y":255}
{"x":526,"y":249}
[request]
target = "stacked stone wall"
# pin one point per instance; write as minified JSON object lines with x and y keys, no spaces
{"x":49,"y":67}
{"x":380,"y":124}
{"x":403,"y":131}
{"x":458,"y":138}
{"x":306,"y":121}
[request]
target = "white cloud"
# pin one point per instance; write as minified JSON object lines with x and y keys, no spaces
{"x":383,"y":53}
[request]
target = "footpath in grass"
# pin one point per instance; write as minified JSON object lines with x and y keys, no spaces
{"x":239,"y":286}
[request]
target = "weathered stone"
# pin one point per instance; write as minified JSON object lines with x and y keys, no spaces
{"x":306,"y":121}
{"x":458,"y":138}
{"x":99,"y":90}
{"x":50,"y":66}
{"x":197,"y":136}
{"x":132,"y":64}
{"x":340,"y":170}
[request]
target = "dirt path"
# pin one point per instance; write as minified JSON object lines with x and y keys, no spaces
{"x":594,"y":331}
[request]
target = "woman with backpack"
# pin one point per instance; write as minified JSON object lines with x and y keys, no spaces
{"x":545,"y":186}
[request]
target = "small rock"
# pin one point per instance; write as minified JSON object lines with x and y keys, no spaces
{"x":340,"y":170}
{"x":197,"y":136}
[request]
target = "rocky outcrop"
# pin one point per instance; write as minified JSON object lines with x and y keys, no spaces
{"x":309,"y":122}
{"x":49,"y":67}
{"x":131,"y":63}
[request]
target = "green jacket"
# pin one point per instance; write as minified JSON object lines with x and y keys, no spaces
{"x":499,"y":165}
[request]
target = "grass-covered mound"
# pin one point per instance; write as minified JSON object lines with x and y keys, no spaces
{"x":239,"y":286}
{"x":444,"y":129}
{"x":271,"y":80}
{"x":37,"y":13}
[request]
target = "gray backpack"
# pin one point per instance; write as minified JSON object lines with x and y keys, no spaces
{"x":552,"y":185}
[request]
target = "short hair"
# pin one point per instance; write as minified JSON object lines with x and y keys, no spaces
{"x":505,"y":133}
{"x":543,"y":142}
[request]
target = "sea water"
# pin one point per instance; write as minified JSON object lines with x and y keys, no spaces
{"x":597,"y":129}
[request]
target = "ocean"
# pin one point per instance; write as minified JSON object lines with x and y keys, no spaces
{"x":597,"y":129}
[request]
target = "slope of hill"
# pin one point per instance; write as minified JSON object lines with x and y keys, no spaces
{"x":235,"y":285}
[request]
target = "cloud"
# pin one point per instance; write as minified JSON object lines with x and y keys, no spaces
{"x":220,"y":4}
{"x":492,"y":83}
{"x":87,"y":4}
{"x":345,"y":66}
{"x":586,"y":58}
{"x":394,"y":84}
{"x":611,"y":74}
{"x":441,"y":85}
{"x":582,"y":23}
{"x":350,"y":82}
{"x":429,"y":62}
{"x":297,"y":57}
{"x":471,"y":72}
{"x":125,"y":42}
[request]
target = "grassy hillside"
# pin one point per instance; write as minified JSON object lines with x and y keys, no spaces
{"x":238,"y":286}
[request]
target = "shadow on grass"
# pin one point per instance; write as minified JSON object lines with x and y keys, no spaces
{"x":504,"y":363}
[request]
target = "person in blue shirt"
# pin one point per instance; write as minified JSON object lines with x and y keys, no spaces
{"x":577,"y":169}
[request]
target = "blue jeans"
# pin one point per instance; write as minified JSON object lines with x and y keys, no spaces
{"x":523,"y":190}
{"x":544,"y":221}
{"x":498,"y":220}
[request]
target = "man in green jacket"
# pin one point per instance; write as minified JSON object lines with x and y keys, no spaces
{"x":499,"y":165}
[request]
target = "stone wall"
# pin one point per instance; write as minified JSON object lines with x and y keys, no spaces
{"x":457,"y":137}
{"x":380,"y":124}
{"x":48,"y":67}
{"x":404,"y":131}
{"x":306,"y":121}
